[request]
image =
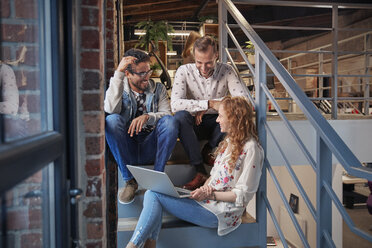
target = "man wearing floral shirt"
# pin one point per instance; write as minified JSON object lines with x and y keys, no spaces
{"x":196,"y":94}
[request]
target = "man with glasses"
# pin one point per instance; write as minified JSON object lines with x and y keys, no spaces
{"x":197,"y":90}
{"x":139,"y":127}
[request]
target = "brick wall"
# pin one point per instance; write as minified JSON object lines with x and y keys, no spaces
{"x":111,"y":55}
{"x":91,"y":76}
{"x":24,"y":214}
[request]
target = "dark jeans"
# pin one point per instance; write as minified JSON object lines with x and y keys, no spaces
{"x":145,"y":148}
{"x":190,"y":134}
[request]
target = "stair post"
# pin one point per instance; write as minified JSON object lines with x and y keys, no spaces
{"x":260,"y":109}
{"x":222,"y":36}
{"x":323,"y":200}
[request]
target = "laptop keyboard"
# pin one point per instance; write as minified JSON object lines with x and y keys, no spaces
{"x":183,"y":191}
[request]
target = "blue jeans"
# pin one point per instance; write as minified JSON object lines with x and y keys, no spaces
{"x":149,"y":223}
{"x":190,"y":133}
{"x":145,"y":148}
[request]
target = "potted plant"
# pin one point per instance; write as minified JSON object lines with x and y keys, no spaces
{"x":208,"y":19}
{"x":155,"y":32}
{"x":250,"y":53}
{"x":156,"y":70}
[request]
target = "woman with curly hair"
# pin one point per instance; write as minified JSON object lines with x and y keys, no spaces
{"x":234,"y":179}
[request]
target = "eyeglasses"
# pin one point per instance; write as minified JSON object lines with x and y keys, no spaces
{"x":141,"y":74}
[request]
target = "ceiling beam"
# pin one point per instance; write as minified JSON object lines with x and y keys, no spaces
{"x":169,"y":16}
{"x":158,"y":8}
{"x":144,"y":3}
{"x":200,"y":9}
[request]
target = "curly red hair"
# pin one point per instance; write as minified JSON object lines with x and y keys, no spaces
{"x":241,"y":127}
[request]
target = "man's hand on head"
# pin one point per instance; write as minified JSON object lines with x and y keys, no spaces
{"x":214,"y":104}
{"x":125,"y":61}
{"x":137,"y":124}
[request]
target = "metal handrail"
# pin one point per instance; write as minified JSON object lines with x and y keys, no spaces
{"x":344,"y":214}
{"x":290,"y":128}
{"x":275,"y":221}
{"x":286,"y":204}
{"x":313,"y":4}
{"x":327,"y":136}
{"x":293,"y":175}
{"x":318,"y":49}
{"x":327,"y":133}
{"x":237,"y":71}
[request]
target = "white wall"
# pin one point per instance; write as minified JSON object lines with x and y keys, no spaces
{"x":357,"y":134}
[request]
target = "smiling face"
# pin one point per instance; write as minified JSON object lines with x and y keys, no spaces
{"x":223,"y":119}
{"x":205,"y":61}
{"x":137,"y":83}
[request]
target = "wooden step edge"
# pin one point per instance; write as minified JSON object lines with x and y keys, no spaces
{"x":129,"y":224}
{"x":247,"y":218}
{"x":180,"y":161}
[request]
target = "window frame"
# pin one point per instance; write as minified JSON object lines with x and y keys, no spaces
{"x":20,"y":159}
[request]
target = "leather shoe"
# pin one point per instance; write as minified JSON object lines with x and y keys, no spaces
{"x":127,"y":193}
{"x":195,"y":183}
{"x":207,"y":154}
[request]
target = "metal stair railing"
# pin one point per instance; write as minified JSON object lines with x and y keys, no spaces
{"x":328,"y":141}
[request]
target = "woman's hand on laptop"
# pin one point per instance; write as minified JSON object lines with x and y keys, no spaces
{"x":203,"y":193}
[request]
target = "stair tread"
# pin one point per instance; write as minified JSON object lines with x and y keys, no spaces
{"x":168,"y":221}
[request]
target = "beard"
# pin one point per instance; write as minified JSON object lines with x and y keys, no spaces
{"x":142,"y":85}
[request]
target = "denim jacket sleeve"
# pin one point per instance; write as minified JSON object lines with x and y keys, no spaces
{"x":114,"y":94}
{"x":163,"y":107}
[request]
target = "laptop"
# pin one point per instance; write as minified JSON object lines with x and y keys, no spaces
{"x":157,"y":181}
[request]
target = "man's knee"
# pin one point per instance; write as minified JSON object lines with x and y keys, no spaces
{"x":169,"y":124}
{"x":114,"y":120}
{"x":183,"y":117}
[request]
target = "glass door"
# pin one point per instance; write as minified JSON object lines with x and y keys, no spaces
{"x":34,"y":179}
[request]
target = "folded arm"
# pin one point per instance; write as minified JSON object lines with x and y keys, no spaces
{"x":179,"y":99}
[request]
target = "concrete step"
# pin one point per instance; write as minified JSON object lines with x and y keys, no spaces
{"x":181,"y":234}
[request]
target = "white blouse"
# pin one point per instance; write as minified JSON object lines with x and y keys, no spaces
{"x":10,"y":96}
{"x":243,"y":181}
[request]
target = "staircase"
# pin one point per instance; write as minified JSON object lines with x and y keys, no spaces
{"x":175,"y":232}
{"x":327,"y":142}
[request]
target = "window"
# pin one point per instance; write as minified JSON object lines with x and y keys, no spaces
{"x":27,"y":210}
{"x":33,"y":171}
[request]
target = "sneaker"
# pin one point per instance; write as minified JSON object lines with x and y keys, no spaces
{"x":207,"y":154}
{"x":127,"y":193}
{"x":197,"y":182}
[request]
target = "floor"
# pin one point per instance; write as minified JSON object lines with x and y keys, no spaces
{"x":362,"y":220}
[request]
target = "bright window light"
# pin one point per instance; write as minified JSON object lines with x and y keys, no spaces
{"x":171,"y":53}
{"x":176,"y":33}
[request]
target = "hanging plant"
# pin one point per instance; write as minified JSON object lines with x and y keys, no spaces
{"x":155,"y":31}
{"x":249,"y":45}
{"x":250,"y":54}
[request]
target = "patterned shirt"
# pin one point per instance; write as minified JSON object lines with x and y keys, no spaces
{"x":9,"y":99}
{"x":141,"y":109}
{"x":243,"y":181}
{"x":140,"y":99}
{"x":191,"y":91}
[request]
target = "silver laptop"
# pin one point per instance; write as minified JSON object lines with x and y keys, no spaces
{"x":157,"y":181}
